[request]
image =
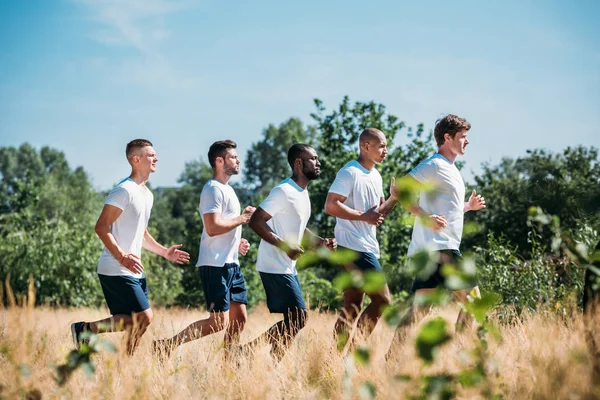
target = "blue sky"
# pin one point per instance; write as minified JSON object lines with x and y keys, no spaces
{"x":86,"y":76}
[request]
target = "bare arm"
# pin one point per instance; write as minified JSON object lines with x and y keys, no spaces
{"x":258,"y":223}
{"x":318,"y":241}
{"x":152,"y":245}
{"x":334,"y":206}
{"x":172,"y":254}
{"x":107,"y":217}
{"x":215,"y":225}
{"x":386,"y":206}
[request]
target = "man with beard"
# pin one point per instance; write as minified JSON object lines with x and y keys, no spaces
{"x":357,"y":201}
{"x":439,"y":215}
{"x":281,"y":221}
{"x":222,"y":278}
{"x":123,"y":229}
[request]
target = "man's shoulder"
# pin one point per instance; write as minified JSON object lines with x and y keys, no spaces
{"x":126,"y":185}
{"x":351,"y":168}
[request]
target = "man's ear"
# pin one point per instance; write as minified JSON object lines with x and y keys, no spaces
{"x":447,"y":137}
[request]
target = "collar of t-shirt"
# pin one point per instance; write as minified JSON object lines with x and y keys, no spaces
{"x":295,"y":185}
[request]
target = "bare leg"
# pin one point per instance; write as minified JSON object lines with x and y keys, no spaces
{"x":237,"y":321}
{"x":281,"y":335}
{"x":412,"y":316}
{"x":353,"y":302}
{"x":216,"y":322}
{"x":464,"y":320}
{"x":116,"y":323}
{"x":141,"y":321}
{"x":371,"y":315}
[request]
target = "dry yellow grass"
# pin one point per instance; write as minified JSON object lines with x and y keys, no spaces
{"x":541,"y":357}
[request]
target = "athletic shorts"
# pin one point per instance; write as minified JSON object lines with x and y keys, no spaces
{"x":436,"y":279}
{"x":283,"y":292}
{"x":125,"y":294}
{"x":222,"y":285}
{"x":364,"y":261}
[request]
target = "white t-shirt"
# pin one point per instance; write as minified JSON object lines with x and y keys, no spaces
{"x":363,"y":189}
{"x":216,"y":251}
{"x":446,"y":199}
{"x":289,"y":206}
{"x":128,"y":230}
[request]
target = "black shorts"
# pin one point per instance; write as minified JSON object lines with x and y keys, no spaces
{"x":283,"y":292}
{"x":125,"y":294}
{"x":436,"y":279}
{"x":364,"y":261}
{"x":222,"y":285}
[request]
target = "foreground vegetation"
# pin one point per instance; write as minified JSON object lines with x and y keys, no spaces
{"x":539,"y":355}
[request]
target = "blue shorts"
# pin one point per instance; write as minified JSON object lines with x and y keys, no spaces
{"x":222,"y":285}
{"x":364,"y":261}
{"x":125,"y":294}
{"x":283,"y":292}
{"x":436,"y":279}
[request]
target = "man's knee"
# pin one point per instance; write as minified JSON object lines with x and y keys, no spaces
{"x":239,"y":320}
{"x":143,"y":318}
{"x":382,"y":299}
{"x":221,"y":319}
{"x":298,"y":318}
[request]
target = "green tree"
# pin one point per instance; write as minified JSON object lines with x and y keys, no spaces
{"x":266,"y":160}
{"x":47,"y":226}
{"x":565,"y":184}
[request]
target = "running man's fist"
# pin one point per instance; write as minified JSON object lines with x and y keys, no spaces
{"x":476,"y":202}
{"x":243,"y":247}
{"x":372,"y":217}
{"x":437,"y":222}
{"x":132,"y":263}
{"x":329,"y":243}
{"x":247,"y":213}
{"x":177,"y":256}
{"x":294,"y":252}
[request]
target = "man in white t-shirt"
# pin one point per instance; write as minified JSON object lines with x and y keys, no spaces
{"x":357,"y":201}
{"x":280,"y":220}
{"x":439,"y":212}
{"x":218,"y":263}
{"x":122,"y":227}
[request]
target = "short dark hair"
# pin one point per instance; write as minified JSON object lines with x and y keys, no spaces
{"x":296,"y":151}
{"x":136,"y":144}
{"x":219,"y":149}
{"x":450,"y":124}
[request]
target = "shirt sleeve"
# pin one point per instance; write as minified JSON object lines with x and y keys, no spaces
{"x":343,"y":183}
{"x":118,"y":197}
{"x":275,"y":202}
{"x":423,"y":172}
{"x":211,"y":200}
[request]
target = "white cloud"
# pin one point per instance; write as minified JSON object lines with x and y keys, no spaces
{"x":135,"y":23}
{"x":139,"y":25}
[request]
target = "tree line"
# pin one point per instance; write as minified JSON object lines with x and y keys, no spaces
{"x":48,"y":211}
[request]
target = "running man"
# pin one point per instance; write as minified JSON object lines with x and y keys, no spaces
{"x":357,"y":201}
{"x":281,"y":221}
{"x":439,"y":213}
{"x":218,"y":263}
{"x":122,"y":227}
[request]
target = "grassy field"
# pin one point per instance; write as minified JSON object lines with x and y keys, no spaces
{"x":542,"y":356}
